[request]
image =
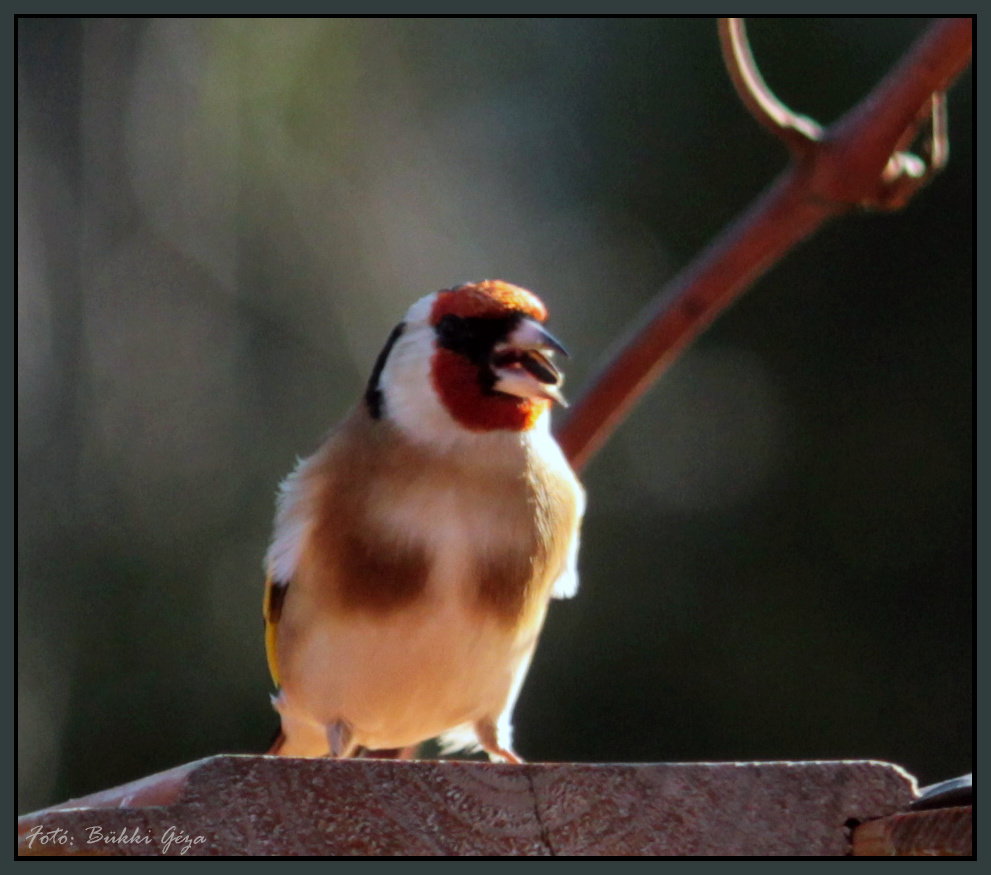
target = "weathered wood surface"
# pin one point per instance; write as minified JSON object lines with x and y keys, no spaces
{"x":247,"y":805}
{"x":945,"y":832}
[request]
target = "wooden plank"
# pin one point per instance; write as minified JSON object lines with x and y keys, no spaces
{"x":945,"y":832}
{"x":247,"y":805}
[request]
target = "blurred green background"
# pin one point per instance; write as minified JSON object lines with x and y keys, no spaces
{"x":220,"y":221}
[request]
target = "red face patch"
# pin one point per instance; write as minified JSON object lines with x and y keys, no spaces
{"x":456,"y":381}
{"x":487,"y":298}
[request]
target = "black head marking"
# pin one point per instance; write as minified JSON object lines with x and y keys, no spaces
{"x":373,"y":393}
{"x":474,"y":337}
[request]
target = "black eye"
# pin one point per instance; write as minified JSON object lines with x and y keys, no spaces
{"x":453,"y":332}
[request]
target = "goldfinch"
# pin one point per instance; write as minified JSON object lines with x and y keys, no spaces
{"x":415,"y":553}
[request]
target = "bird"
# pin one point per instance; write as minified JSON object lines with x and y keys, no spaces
{"x":415,"y":553}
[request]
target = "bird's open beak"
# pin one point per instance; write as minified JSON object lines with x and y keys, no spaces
{"x":522,"y":363}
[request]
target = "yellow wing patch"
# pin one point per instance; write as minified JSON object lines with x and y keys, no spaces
{"x":275,"y":594}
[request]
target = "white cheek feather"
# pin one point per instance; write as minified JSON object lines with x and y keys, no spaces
{"x":410,"y":399}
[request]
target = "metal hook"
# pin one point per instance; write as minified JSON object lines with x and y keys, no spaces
{"x":905,"y":172}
